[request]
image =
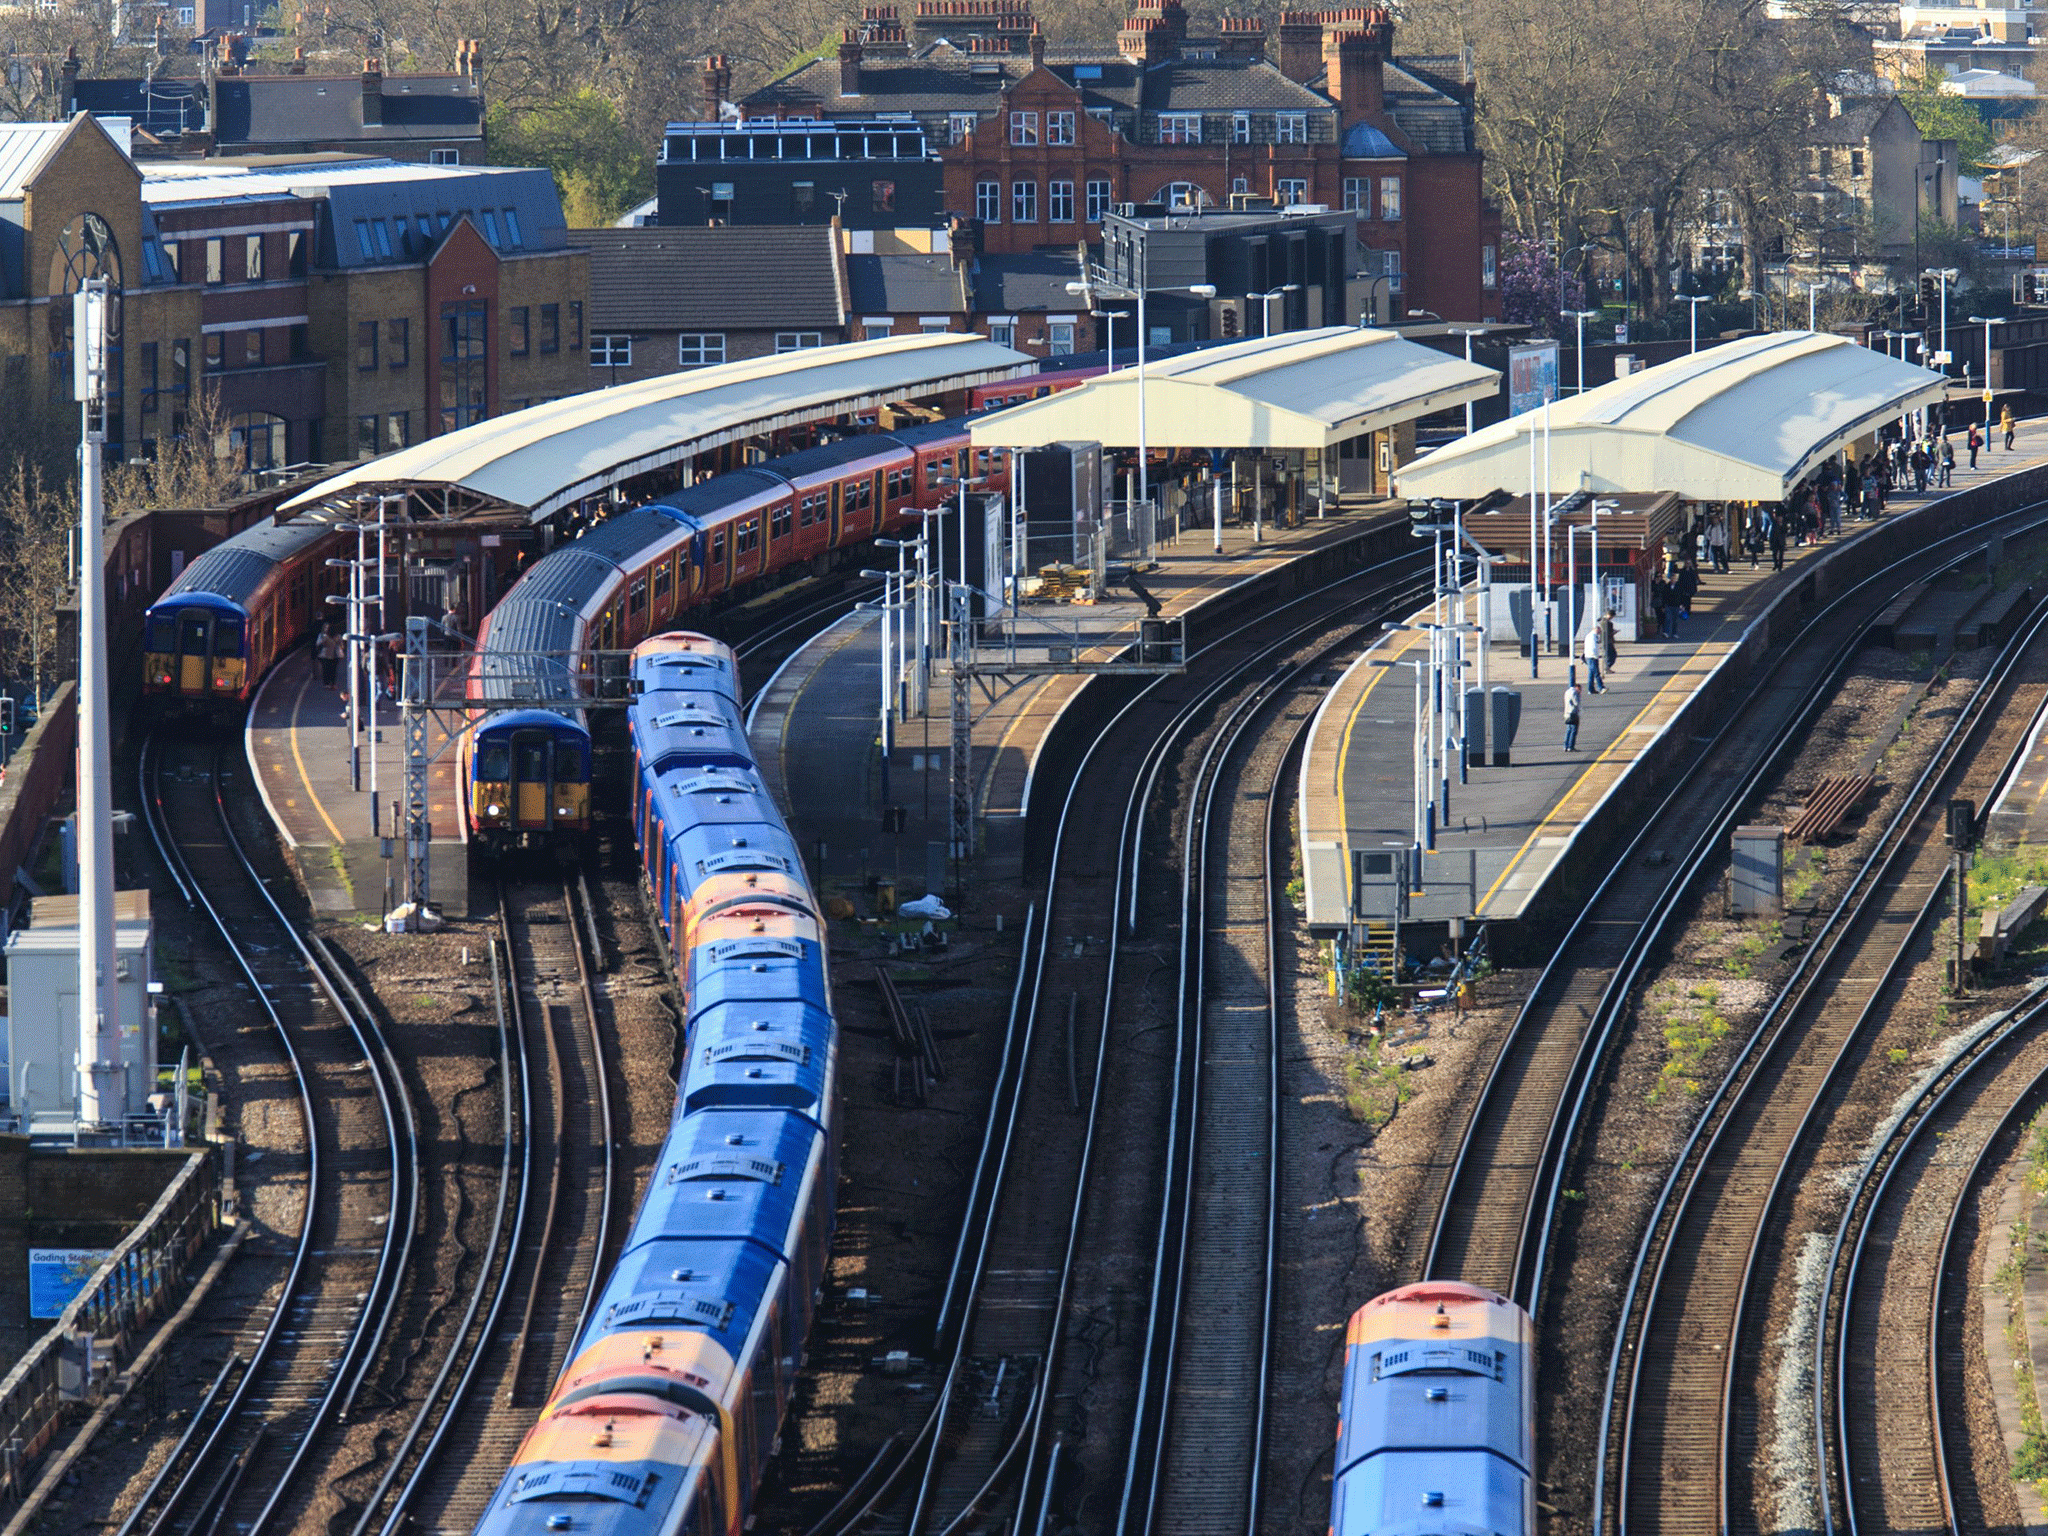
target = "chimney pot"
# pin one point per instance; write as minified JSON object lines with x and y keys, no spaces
{"x":373,"y":93}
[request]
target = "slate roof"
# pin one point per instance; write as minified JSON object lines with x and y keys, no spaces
{"x":901,"y":284}
{"x":1025,"y":283}
{"x":304,"y":109}
{"x":1855,"y":123}
{"x":671,"y":277}
{"x":159,"y":108}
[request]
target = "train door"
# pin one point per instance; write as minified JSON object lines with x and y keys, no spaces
{"x":195,"y":652}
{"x":837,"y":506}
{"x":533,"y":774}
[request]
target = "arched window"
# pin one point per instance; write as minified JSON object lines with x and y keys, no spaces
{"x":1184,"y":194}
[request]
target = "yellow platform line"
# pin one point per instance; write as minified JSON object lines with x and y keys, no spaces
{"x":305,"y":778}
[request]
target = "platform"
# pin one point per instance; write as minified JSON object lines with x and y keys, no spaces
{"x":816,"y":728}
{"x":1511,"y":828}
{"x":297,"y":740}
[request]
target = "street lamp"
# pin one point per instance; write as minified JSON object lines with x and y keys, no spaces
{"x":1695,"y":301}
{"x":1985,"y":321}
{"x":1108,"y":319}
{"x":1086,"y":289}
{"x":1946,"y":275}
{"x":1468,"y":335}
{"x":1582,"y":316}
{"x":1265,"y":299}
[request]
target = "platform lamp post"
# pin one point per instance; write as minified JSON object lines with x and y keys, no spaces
{"x":1468,"y":334}
{"x":1695,"y":300}
{"x":1422,"y":803}
{"x":887,"y":608}
{"x":353,"y":602}
{"x":1987,"y":321}
{"x":1582,"y":316}
{"x":102,"y":1097}
{"x":1265,"y":305}
{"x":911,"y":649}
{"x":1945,"y":276}
{"x":1108,"y":319}
{"x":1101,"y":282}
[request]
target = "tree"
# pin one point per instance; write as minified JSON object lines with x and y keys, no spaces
{"x":600,"y":167}
{"x":37,"y":515}
{"x":1940,"y":115}
{"x":1533,"y":292}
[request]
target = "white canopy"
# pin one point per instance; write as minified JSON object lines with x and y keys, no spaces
{"x":1744,"y":421}
{"x":1298,"y":389}
{"x":541,"y":459}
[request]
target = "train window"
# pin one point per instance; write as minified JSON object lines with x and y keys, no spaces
{"x":163,"y":633}
{"x":859,"y":495}
{"x":636,"y":597}
{"x":533,"y":762}
{"x":813,"y":510}
{"x":718,"y":547}
{"x":193,"y":637}
{"x":494,"y":761}
{"x":778,"y":522}
{"x":227,"y":637}
{"x":747,"y":537}
{"x":902,"y":483}
{"x":664,"y":579}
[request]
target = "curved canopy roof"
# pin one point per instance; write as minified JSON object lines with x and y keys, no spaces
{"x":1744,"y":421}
{"x":541,"y":459}
{"x":1298,"y":389}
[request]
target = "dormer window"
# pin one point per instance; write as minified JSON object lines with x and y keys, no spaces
{"x":1023,"y":127}
{"x":959,"y":125}
{"x":1180,"y":127}
{"x":1290,"y":127}
{"x":1240,"y":127}
{"x":1059,"y":127}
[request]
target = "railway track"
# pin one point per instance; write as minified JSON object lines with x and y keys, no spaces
{"x":1675,"y":1402}
{"x":1006,"y":1423}
{"x":552,"y":1226}
{"x":248,"y":1461}
{"x":1493,"y":1210}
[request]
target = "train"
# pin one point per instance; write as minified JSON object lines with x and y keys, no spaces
{"x":234,"y":611}
{"x":674,"y":1393}
{"x":1436,"y":1435}
{"x":527,"y":761}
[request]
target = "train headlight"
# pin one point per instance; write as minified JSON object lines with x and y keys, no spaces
{"x":494,"y":810}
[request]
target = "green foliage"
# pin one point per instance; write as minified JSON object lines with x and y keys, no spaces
{"x":1692,"y":1024}
{"x":1942,"y":116}
{"x":600,"y":168}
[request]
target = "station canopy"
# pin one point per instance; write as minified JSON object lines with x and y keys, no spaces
{"x":1743,"y":421}
{"x":1298,"y":389}
{"x":539,"y":460}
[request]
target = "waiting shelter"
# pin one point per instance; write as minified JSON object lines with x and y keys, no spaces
{"x":1746,"y":421}
{"x":1338,"y":403}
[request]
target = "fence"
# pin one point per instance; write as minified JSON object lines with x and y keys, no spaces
{"x":134,"y":1285}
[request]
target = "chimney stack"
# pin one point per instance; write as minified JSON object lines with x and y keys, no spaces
{"x":849,"y":64}
{"x":717,"y":86}
{"x":1147,"y":40}
{"x":67,"y":92}
{"x":1355,"y":52}
{"x":298,"y":63}
{"x":1241,"y":37}
{"x":373,"y":93}
{"x":1037,"y":46}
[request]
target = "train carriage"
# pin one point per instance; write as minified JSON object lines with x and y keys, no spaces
{"x":235,"y":610}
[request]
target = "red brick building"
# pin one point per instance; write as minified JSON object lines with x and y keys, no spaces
{"x":1037,"y":144}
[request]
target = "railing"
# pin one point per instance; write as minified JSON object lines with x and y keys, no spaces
{"x":134,"y":1285}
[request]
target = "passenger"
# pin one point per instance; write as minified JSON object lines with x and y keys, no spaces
{"x":1777,"y":538}
{"x":2007,"y":425}
{"x":1975,"y":443}
{"x":1948,"y":463}
{"x":1591,"y":651}
{"x":1607,"y":650}
{"x":1717,"y":541}
{"x":1571,"y":716}
{"x":328,"y":648}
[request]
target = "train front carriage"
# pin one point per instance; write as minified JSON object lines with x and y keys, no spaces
{"x":614,"y":1465}
{"x":234,"y":610}
{"x":197,"y":647}
{"x":530,"y":776}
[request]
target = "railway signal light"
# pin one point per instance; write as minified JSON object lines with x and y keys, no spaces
{"x":6,"y":714}
{"x":1962,"y":821}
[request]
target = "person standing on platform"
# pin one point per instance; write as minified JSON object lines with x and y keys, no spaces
{"x":1948,"y":463}
{"x":1777,"y":537}
{"x":1974,"y":442}
{"x":2007,"y":425}
{"x":328,"y":648}
{"x":1607,"y":649}
{"x":1571,"y":716}
{"x":1717,"y":541}
{"x":1591,"y":651}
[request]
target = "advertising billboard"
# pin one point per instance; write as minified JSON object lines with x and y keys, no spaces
{"x":1532,"y":376}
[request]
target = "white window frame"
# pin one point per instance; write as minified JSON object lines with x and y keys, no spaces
{"x":1180,"y":127}
{"x":1101,"y":193}
{"x":988,"y":200}
{"x":872,"y":326}
{"x":444,"y":157}
{"x":1002,"y":330}
{"x":959,"y":125}
{"x":1059,"y":202}
{"x":1390,"y":198}
{"x":1184,"y":194}
{"x":798,"y":341}
{"x":611,"y":349}
{"x":1024,"y":201}
{"x":931,"y":323}
{"x":1290,"y":127}
{"x":1059,"y":337}
{"x":1024,"y":128}
{"x":1291,"y":190}
{"x":699,"y":349}
{"x":1489,"y":267}
{"x":1240,"y":127}
{"x":1060,"y":127}
{"x":1393,"y":268}
{"x":1358,"y":196}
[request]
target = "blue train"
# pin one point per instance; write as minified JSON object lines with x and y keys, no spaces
{"x":674,"y":1395}
{"x":1437,"y":1434}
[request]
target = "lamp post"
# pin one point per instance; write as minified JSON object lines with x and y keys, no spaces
{"x":1468,"y":335}
{"x":1265,"y":299}
{"x":1423,"y":802}
{"x":1695,"y":300}
{"x":1944,"y":275}
{"x":1986,"y":322}
{"x":888,"y":698}
{"x":1582,"y":316}
{"x":1108,"y":319}
{"x":1086,"y":289}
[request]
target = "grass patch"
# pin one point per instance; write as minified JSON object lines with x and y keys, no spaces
{"x":1692,"y":1024}
{"x":1997,"y":873}
{"x":1748,"y":949}
{"x":1375,"y":1086}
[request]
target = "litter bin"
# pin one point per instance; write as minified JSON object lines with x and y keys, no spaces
{"x":1507,"y":719}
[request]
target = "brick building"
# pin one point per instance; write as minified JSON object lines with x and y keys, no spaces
{"x":1038,"y":145}
{"x":334,"y":308}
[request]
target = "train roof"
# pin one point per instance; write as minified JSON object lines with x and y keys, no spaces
{"x":720,"y":492}
{"x":922,"y":434}
{"x":847,"y":450}
{"x":539,"y":613}
{"x":533,"y":719}
{"x":236,"y":567}
{"x":622,"y":537}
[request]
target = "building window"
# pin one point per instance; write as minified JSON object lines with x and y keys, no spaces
{"x":398,"y":343}
{"x":1185,"y":194}
{"x":882,"y":196}
{"x":1180,"y":127}
{"x":1003,"y":332}
{"x":1291,"y":190}
{"x":1059,"y":127}
{"x":1290,"y":127}
{"x":464,"y":365}
{"x":1393,"y":261}
{"x":958,"y":126}
{"x":550,"y":329}
{"x":1855,"y":162}
{"x":1023,"y":127}
{"x":174,"y":260}
{"x":798,"y":341}
{"x":444,"y":157}
{"x":398,"y":430}
{"x":930,"y":324}
{"x":1489,"y":267}
{"x":1059,"y":202}
{"x":181,"y":367}
{"x":366,"y":346}
{"x":872,"y":326}
{"x":516,"y":331}
{"x":252,"y":349}
{"x":1059,"y":337}
{"x":148,"y":378}
{"x":988,"y":201}
{"x":699,"y":349}
{"x":1098,"y":201}
{"x":1240,"y":127}
{"x":1390,"y":197}
{"x":610,"y":351}
{"x":575,"y":325}
{"x":366,"y":436}
{"x":216,"y":351}
{"x":252,"y":257}
{"x":1024,"y":202}
{"x":216,"y":262}
{"x":1358,"y":196}
{"x":803,"y":199}
{"x":512,"y":229}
